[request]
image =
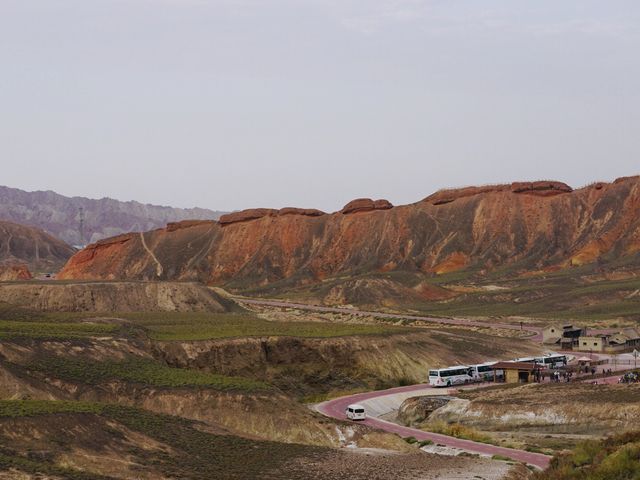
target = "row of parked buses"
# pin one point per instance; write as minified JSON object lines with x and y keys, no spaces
{"x":445,"y":377}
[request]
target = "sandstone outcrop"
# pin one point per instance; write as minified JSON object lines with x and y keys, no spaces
{"x":442,"y":197}
{"x":307,"y":212}
{"x":543,"y":226}
{"x":542,"y":188}
{"x":365,"y":205}
{"x":257,"y":213}
{"x":246,"y":215}
{"x":173,"y":226}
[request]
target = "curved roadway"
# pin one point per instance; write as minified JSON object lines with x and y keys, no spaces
{"x":336,"y":409}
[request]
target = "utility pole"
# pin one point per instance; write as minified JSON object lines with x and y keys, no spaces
{"x":81,"y":226}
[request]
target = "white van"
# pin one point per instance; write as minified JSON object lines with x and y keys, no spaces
{"x":355,"y":412}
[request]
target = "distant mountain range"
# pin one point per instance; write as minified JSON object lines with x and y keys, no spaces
{"x":61,"y":216}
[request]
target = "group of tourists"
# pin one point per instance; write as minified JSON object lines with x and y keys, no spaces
{"x":630,"y":377}
{"x":558,"y":376}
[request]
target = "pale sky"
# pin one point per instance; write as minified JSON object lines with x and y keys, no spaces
{"x":233,"y":104}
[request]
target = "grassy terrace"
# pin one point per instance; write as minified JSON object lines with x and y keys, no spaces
{"x":47,"y":329}
{"x":206,"y":326}
{"x":30,"y":408}
{"x":138,"y":370}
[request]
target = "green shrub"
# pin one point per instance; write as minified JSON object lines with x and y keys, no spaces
{"x":502,"y":458}
{"x":459,"y":431}
{"x":615,"y":458}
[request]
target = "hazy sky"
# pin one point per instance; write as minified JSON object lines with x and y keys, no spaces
{"x":232,"y":104}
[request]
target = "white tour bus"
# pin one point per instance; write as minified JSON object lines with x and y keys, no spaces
{"x":483,"y":372}
{"x":552,"y":361}
{"x":445,"y":377}
{"x":547,"y":361}
{"x":355,"y":412}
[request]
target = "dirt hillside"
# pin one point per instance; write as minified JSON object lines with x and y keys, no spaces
{"x":33,"y":247}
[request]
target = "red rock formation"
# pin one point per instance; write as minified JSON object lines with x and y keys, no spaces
{"x":307,"y":212}
{"x":173,"y":226}
{"x":483,"y":229}
{"x":442,"y":197}
{"x":14,"y":272}
{"x":246,"y":215}
{"x":541,"y":188}
{"x":365,"y":205}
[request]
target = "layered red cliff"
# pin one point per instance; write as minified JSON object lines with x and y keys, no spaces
{"x":529,"y":225}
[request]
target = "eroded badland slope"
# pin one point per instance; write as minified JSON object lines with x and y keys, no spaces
{"x":371,"y":252}
{"x":211,"y":395}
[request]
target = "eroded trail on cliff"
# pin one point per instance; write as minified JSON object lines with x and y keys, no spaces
{"x":159,"y":268}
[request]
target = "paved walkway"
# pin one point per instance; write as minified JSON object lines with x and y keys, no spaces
{"x":336,"y":409}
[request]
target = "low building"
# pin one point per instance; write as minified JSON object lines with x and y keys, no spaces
{"x":516,"y":372}
{"x":593,"y":343}
{"x":624,"y":341}
{"x":565,"y":336}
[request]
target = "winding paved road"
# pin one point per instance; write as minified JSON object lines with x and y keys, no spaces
{"x":536,"y":331}
{"x":336,"y":409}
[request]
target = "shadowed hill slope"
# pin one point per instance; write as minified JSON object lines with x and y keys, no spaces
{"x":517,"y":228}
{"x":20,"y":244}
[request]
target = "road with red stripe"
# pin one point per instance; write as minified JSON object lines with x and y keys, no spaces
{"x":336,"y":409}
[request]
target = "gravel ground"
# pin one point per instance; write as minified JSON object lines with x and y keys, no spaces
{"x":366,"y":464}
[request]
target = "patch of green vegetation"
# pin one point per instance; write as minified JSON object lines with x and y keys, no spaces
{"x":615,"y":458}
{"x":207,"y":326}
{"x":30,"y":408}
{"x":33,"y":329}
{"x":502,"y":458}
{"x":139,"y":370}
{"x":458,"y":430}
